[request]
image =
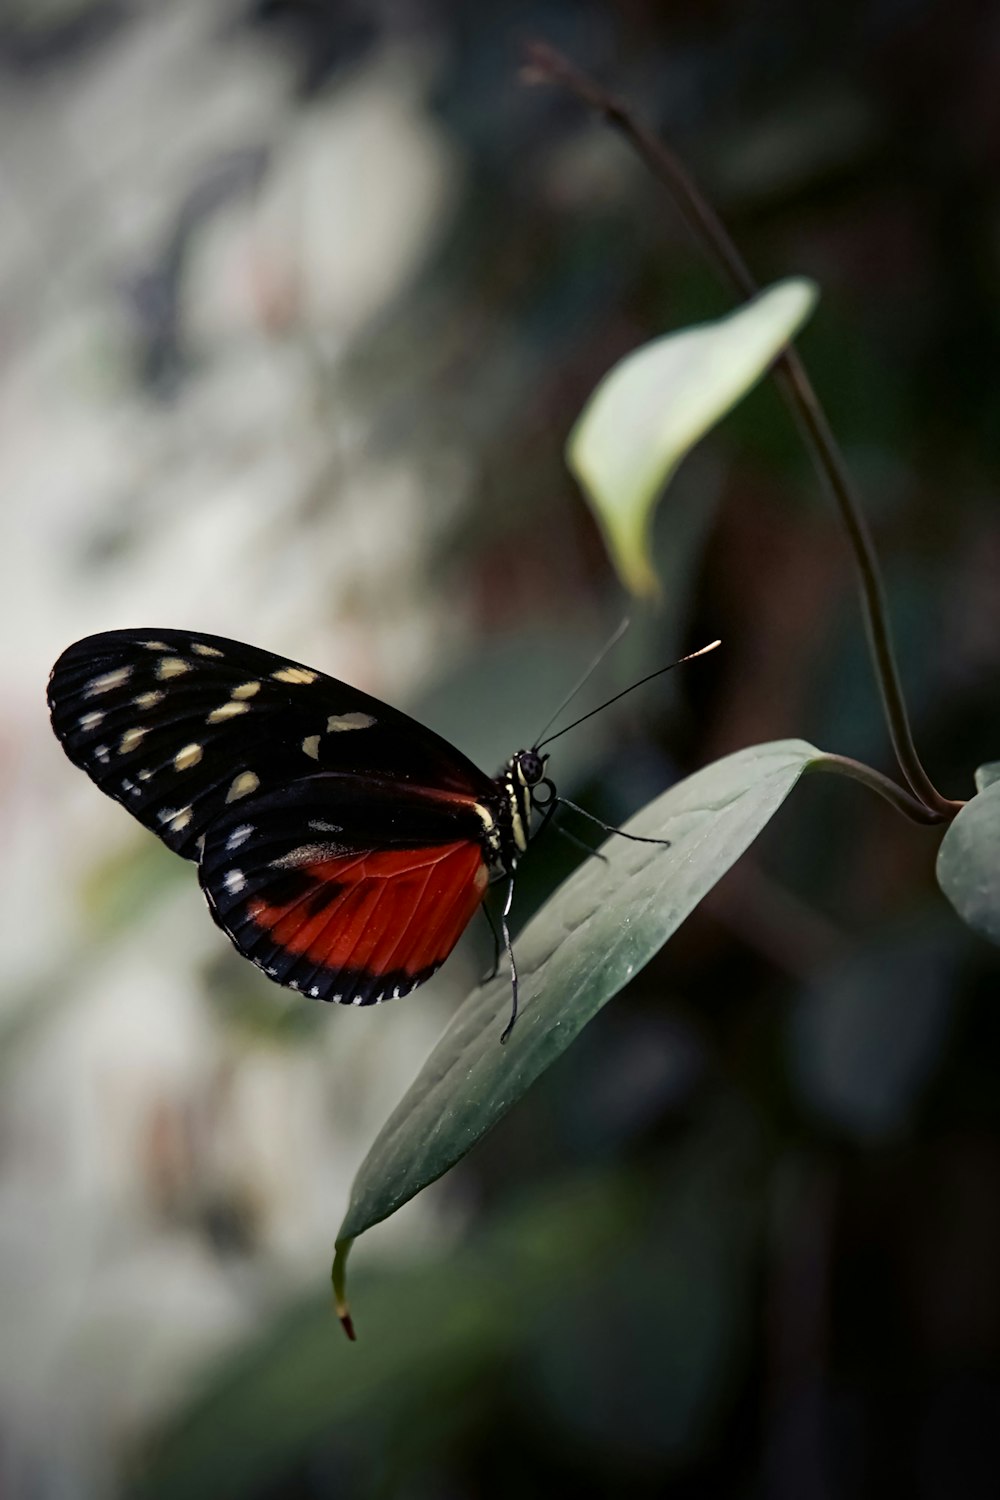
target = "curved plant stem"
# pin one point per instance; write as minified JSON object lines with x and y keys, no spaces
{"x":549,"y":66}
{"x":890,"y":790}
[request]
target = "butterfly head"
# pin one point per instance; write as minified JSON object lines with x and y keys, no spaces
{"x":529,"y":767}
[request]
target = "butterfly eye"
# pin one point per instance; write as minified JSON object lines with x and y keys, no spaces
{"x":531,"y":766}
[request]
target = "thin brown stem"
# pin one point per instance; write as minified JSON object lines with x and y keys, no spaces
{"x":546,"y":65}
{"x":890,"y":790}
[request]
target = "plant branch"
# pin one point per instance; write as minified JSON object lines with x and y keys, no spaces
{"x":546,"y":65}
{"x":890,"y":790}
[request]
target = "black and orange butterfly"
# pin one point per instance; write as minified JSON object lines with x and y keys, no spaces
{"x":341,"y":846}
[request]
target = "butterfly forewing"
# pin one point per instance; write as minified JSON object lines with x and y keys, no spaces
{"x":347,"y":888}
{"x":179,"y":727}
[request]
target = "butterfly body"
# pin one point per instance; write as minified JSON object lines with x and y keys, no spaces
{"x":342,"y":846}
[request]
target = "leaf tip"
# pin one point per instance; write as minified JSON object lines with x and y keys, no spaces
{"x":338,"y":1276}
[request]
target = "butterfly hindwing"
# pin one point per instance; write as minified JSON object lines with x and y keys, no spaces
{"x":346,"y":888}
{"x":179,"y":727}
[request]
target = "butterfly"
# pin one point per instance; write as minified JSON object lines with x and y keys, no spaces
{"x":341,"y":846}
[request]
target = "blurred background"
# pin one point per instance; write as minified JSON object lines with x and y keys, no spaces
{"x":298,"y":302}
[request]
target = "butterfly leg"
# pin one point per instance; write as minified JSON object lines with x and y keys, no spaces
{"x":571,"y":838}
{"x":496,"y":943}
{"x":635,"y":838}
{"x":513,"y":966}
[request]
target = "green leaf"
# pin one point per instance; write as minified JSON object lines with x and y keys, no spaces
{"x":968,"y":862}
{"x":654,"y":405}
{"x":987,"y":775}
{"x":599,"y":928}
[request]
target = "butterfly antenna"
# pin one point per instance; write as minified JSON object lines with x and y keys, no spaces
{"x":616,"y":637}
{"x":601,"y":706}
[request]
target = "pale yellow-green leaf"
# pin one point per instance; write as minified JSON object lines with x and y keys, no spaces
{"x":654,"y":405}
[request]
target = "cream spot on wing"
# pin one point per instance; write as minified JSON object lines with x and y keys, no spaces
{"x":171,"y":666}
{"x":107,"y":681}
{"x":199,"y":844}
{"x":204,"y":650}
{"x":188,"y":757}
{"x":144,"y":775}
{"x":336,"y":723}
{"x":91,"y":720}
{"x":245,"y":783}
{"x":234,"y":881}
{"x":295,"y":674}
{"x":129,"y":740}
{"x":227,"y":711}
{"x":155,"y":645}
{"x":180,"y":820}
{"x":305,"y":854}
{"x":311,"y":745}
{"x":246,"y":690}
{"x":239,"y":836}
{"x":149,"y":700}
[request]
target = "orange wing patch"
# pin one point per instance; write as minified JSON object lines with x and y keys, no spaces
{"x":384,"y":920}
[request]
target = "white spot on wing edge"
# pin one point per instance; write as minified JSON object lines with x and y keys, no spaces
{"x":177,"y":817}
{"x":242,"y":785}
{"x":107,"y":681}
{"x":203,"y":650}
{"x":314,"y":992}
{"x":239,"y":836}
{"x":301,"y":675}
{"x":234,"y":881}
{"x":337,"y":723}
{"x":102,"y":753}
{"x":91,"y":720}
